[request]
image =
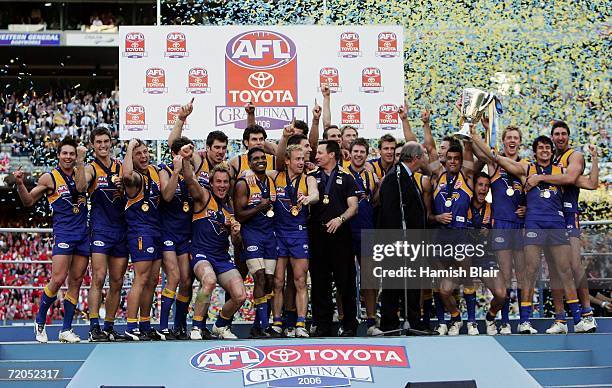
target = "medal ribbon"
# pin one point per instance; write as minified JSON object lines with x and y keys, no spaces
{"x":327,"y":181}
{"x":450,"y":186}
{"x":147,"y":186}
{"x":477,"y":220}
{"x":359,"y":180}
{"x":264,"y":188}
{"x":292,"y":192}
{"x":541,"y":185}
{"x":71,"y":187}
{"x":109,"y":173}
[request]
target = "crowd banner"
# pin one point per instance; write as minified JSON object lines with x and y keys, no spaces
{"x":280,"y":69}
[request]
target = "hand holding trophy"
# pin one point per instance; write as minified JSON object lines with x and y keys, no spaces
{"x":472,"y":106}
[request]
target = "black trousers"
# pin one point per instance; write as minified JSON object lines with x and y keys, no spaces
{"x":390,"y":300}
{"x":332,"y":260}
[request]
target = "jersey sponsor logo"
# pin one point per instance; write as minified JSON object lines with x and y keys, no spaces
{"x":63,"y":245}
{"x":531,"y":234}
{"x":99,"y":243}
{"x":261,"y":67}
{"x":387,"y":45}
{"x":315,"y":365}
{"x":150,"y":249}
{"x":351,"y":115}
{"x":172,"y":113}
{"x":155,"y":81}
{"x":331,"y":77}
{"x":252,"y":248}
{"x":200,"y":255}
{"x":499,"y":239}
{"x":371,"y":80}
{"x":197,"y":81}
{"x":134,"y":45}
{"x":349,"y":45}
{"x":176,"y":45}
{"x":168,"y":243}
{"x":135,"y":118}
{"x":388,"y":117}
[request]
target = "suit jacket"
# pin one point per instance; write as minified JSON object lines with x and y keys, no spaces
{"x":389,"y":215}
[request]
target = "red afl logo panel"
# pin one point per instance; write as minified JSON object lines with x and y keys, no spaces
{"x":351,"y":115}
{"x":261,"y":66}
{"x":387,"y":45}
{"x":176,"y":45}
{"x":371,"y":80}
{"x":349,"y":45}
{"x":135,"y":118}
{"x":197,"y":81}
{"x":388,"y":117}
{"x":329,"y":76}
{"x":134,"y":45}
{"x":155,"y":81}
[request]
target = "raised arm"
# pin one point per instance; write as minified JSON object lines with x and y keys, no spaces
{"x":570,"y":175}
{"x":29,"y":198}
{"x":282,"y":147}
{"x":428,"y":140}
{"x":197,"y":192}
{"x":590,"y":182}
{"x":169,"y":182}
{"x":403,"y":115}
{"x":131,"y":179}
{"x":249,"y":108}
{"x":326,"y":106}
{"x":513,"y":167}
{"x":313,"y":135}
{"x":80,"y":180}
{"x":177,"y":130}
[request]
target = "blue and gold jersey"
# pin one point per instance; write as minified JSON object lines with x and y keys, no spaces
{"x":243,"y":163}
{"x":364,"y":180}
{"x":107,"y":201}
{"x":480,"y":218}
{"x":175,"y":216}
{"x":505,"y":205}
{"x":544,"y":202}
{"x":211,"y":228}
{"x":285,"y":223}
{"x":69,"y":207}
{"x":259,"y":222}
{"x":570,"y":192}
{"x":378,"y":168}
{"x":142,"y":210}
{"x":453,"y":195}
{"x":418,"y":178}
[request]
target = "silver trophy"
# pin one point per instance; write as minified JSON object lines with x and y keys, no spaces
{"x":474,"y":102}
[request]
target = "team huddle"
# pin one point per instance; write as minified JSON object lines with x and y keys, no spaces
{"x":296,"y":208}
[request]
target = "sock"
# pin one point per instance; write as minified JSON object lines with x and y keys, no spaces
{"x":69,"y":308}
{"x":180,"y":313}
{"x":371,"y":322}
{"x":145,"y":324}
{"x":301,"y":321}
{"x":187,"y":301}
{"x":587,"y":312}
{"x":277,"y":321}
{"x":505,"y":310}
{"x":490,"y":316}
{"x":94,"y":321}
{"x":261,"y":312}
{"x":198,"y":321}
{"x":167,"y":299}
{"x":47,"y":300}
{"x":222,"y":321}
{"x":470,"y":302}
{"x":456,"y":316}
{"x":132,"y":324}
{"x":108,"y":324}
{"x":574,"y":306}
{"x":291,"y":318}
{"x":560,"y":317}
{"x":439,"y":308}
{"x":525,"y":311}
{"x":427,"y":308}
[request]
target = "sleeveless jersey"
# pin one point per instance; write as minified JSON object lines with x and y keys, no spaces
{"x":202,"y":172}
{"x":418,"y":177}
{"x":345,"y":163}
{"x":107,"y":201}
{"x":140,"y":222}
{"x":210,"y":233}
{"x":364,"y":180}
{"x":480,"y":218}
{"x":259,"y":222}
{"x":570,"y":192}
{"x":286,"y":224}
{"x":378,"y":168}
{"x":540,"y":208}
{"x":460,"y":196}
{"x":173,"y":217}
{"x":243,"y":163}
{"x":504,"y":206}
{"x":68,"y":206}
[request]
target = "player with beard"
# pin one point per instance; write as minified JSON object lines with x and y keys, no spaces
{"x":143,"y":191}
{"x":65,"y":188}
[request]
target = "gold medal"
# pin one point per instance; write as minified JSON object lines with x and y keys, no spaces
{"x":185,"y":207}
{"x":509,"y":192}
{"x":270,"y":213}
{"x":448,"y":203}
{"x":546,"y":194}
{"x":295,"y":211}
{"x":145,"y":207}
{"x":76,"y":210}
{"x":325,"y":199}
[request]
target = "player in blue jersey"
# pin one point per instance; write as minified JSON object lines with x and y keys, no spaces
{"x":107,"y":232}
{"x":508,"y":216}
{"x":65,"y":188}
{"x":143,"y":194}
{"x":253,"y":204}
{"x":175,"y":222}
{"x":213,"y":224}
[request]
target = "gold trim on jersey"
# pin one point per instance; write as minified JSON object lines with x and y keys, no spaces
{"x":243,"y":163}
{"x":140,"y":195}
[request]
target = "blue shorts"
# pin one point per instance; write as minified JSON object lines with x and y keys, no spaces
{"x":70,"y":245}
{"x":545,"y":233}
{"x":109,"y":243}
{"x":144,"y":248}
{"x":261,"y":246}
{"x":572,"y":224}
{"x":507,"y":235}
{"x":176,"y":243}
{"x":296,"y":247}
{"x":218,"y":264}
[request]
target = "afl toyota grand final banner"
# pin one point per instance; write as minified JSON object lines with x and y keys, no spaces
{"x":278,"y":68}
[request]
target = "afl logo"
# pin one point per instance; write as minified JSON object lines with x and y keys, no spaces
{"x":351,"y":114}
{"x":134,"y":45}
{"x":371,"y":80}
{"x":135,"y":118}
{"x":197,"y":81}
{"x":176,"y":45}
{"x":349,"y":45}
{"x":329,"y":76}
{"x":387,"y":45}
{"x":260,"y":50}
{"x":227,"y":358}
{"x":155,"y":81}
{"x":388,"y":117}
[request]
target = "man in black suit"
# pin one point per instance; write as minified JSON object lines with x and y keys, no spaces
{"x":415,"y":192}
